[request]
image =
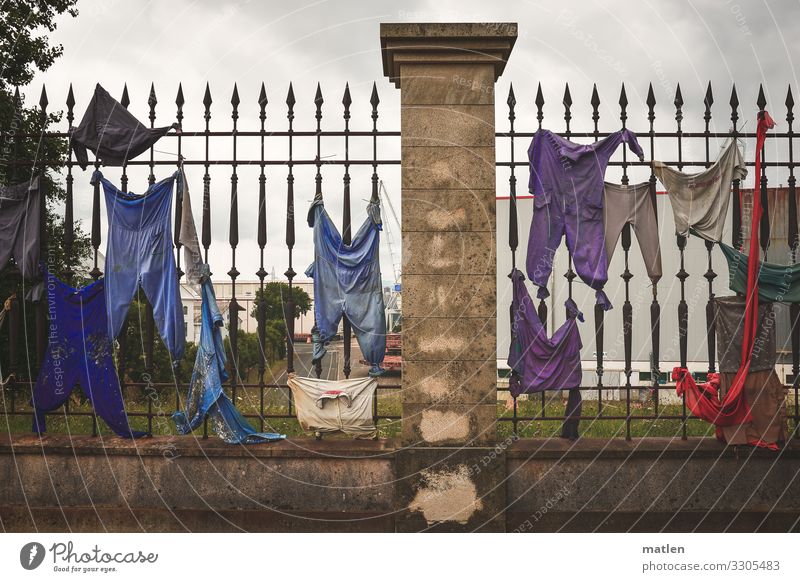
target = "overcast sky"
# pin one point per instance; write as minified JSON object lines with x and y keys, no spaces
{"x":333,"y":42}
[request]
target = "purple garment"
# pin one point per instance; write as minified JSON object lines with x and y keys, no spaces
{"x":79,"y":352}
{"x":537,"y":362}
{"x":567,"y":182}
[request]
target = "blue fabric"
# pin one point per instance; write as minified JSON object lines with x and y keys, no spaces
{"x":79,"y":352}
{"x":206,"y":396}
{"x":347,"y":281}
{"x":139,"y":253}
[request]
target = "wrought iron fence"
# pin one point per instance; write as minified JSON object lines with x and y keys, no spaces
{"x":679,"y":137}
{"x":507,"y":141}
{"x":231,"y":138}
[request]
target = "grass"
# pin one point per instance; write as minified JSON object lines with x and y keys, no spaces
{"x":276,"y":402}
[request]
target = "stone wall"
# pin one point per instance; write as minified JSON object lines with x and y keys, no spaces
{"x":86,"y":484}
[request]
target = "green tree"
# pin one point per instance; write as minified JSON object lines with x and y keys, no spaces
{"x":249,"y":356}
{"x":275,"y":296}
{"x":25,"y":49}
{"x":135,"y":349}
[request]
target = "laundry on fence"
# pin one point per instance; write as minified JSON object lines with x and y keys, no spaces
{"x":79,"y":353}
{"x":111,"y":132}
{"x":327,"y":406}
{"x":139,"y":253}
{"x":567,"y":183}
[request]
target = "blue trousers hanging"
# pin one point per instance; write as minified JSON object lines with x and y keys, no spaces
{"x":347,"y":281}
{"x":206,"y":396}
{"x":79,"y":353}
{"x":139,"y":253}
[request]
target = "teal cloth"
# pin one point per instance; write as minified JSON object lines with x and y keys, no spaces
{"x":779,"y":283}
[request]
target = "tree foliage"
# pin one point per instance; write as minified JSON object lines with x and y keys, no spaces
{"x":275,"y":297}
{"x":25,"y":49}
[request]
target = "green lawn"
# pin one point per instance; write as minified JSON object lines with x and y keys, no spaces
{"x":276,"y":403}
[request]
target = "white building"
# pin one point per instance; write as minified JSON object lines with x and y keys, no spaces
{"x":245,"y":296}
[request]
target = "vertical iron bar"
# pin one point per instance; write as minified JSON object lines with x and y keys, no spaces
{"x":318,"y":178}
{"x":233,"y":239}
{"x":347,"y":330}
{"x":122,"y":350}
{"x":599,"y":312}
{"x":513,"y":232}
{"x":262,"y":242}
{"x":206,"y":228}
{"x":179,"y":102}
{"x":683,"y":307}
{"x":69,"y":221}
{"x":764,"y":227}
{"x":40,"y":306}
{"x":150,"y":327}
{"x":374,"y":101}
{"x":655,"y":308}
{"x":709,"y":275}
{"x":792,"y":240}
{"x":290,"y":273}
{"x":539,"y":101}
{"x":125,"y":101}
{"x":736,"y":234}
{"x":627,"y":308}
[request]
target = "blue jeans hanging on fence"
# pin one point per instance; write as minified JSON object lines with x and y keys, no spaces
{"x":206,"y":396}
{"x":139,"y":252}
{"x":347,"y":281}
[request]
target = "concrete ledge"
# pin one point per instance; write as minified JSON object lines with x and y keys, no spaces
{"x":649,"y":448}
{"x":189,"y":446}
{"x":63,"y":483}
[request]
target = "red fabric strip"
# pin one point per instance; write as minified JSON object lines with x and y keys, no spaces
{"x":703,"y":400}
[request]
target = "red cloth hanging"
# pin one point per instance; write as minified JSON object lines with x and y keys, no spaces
{"x":703,"y":400}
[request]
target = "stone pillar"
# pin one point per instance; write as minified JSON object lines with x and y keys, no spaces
{"x":450,"y":475}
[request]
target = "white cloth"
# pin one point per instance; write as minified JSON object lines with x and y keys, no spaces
{"x":325,"y":406}
{"x":700,"y":201}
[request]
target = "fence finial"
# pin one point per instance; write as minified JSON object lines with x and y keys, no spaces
{"x":539,"y":101}
{"x":761,"y":101}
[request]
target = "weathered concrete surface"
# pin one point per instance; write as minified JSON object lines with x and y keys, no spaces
{"x":66,"y":483}
{"x":450,"y":490}
{"x":304,"y":485}
{"x":651,"y":485}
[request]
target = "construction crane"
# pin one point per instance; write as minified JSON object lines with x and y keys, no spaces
{"x":386,"y":201}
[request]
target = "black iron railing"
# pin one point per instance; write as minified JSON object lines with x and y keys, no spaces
{"x":283,"y":132}
{"x":265,"y":410}
{"x":677,"y":138}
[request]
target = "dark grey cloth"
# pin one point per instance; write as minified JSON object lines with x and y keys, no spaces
{"x":111,"y":132}
{"x":729,"y":320}
{"x":20,"y":230}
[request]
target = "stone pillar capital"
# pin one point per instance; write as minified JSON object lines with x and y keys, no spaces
{"x":478,"y":43}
